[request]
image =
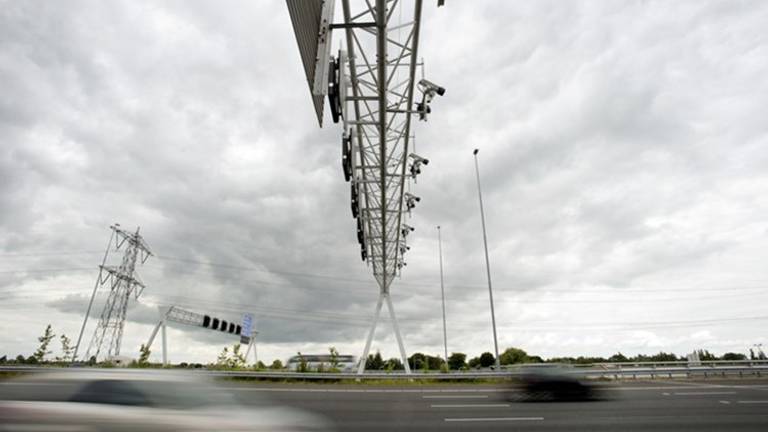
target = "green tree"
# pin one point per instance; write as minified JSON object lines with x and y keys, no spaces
{"x":374,"y":362}
{"x":303,"y":367}
{"x":705,"y":355}
{"x":260,"y":365}
{"x":513,"y":356}
{"x":474,"y":362}
{"x":276,"y":365}
{"x":66,"y":349}
{"x":393,"y":364}
{"x":144,"y":353}
{"x":618,"y":358}
{"x":237,"y":359}
{"x":487,"y":360}
{"x":734,"y":356}
{"x":334,"y":359}
{"x":457,"y":361}
{"x":417,"y":361}
{"x":3,"y":360}
{"x":662,"y":357}
{"x":44,"y":340}
{"x":221,"y":360}
{"x":434,"y":362}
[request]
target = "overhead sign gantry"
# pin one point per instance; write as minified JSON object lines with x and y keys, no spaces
{"x":244,"y":332}
{"x":371,"y":89}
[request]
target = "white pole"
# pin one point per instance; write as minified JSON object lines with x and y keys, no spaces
{"x":165,"y":344}
{"x":152,"y":336}
{"x":487,"y":261}
{"x":361,"y":366}
{"x":253,"y":341}
{"x":442,"y":292}
{"x":93,"y":295}
{"x":397,"y":333}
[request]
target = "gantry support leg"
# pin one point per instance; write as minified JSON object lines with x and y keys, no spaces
{"x":396,"y":327}
{"x":364,"y":358}
{"x":252,"y":344}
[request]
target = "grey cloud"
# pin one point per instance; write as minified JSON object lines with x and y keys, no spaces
{"x":611,"y":134}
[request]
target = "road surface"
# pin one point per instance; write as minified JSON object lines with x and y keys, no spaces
{"x":658,"y":405}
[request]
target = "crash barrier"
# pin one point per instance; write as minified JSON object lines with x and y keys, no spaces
{"x":603,"y":370}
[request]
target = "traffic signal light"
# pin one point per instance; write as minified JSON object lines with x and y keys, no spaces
{"x":221,"y":325}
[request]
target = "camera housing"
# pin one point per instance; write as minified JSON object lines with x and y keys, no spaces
{"x":428,"y":90}
{"x":428,"y":86}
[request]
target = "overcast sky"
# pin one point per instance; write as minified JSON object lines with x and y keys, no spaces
{"x":623,"y":156}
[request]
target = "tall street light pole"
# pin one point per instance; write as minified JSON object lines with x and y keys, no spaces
{"x":442,"y":292}
{"x":487,"y":261}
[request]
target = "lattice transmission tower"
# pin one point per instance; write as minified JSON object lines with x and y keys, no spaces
{"x":371,"y":89}
{"x":123,"y":282}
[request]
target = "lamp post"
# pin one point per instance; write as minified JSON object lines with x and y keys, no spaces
{"x":442,"y":292}
{"x":487,"y":261}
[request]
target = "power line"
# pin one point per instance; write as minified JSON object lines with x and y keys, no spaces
{"x":503,"y":299}
{"x":49,"y":270}
{"x":49,"y":253}
{"x":372,"y":283}
{"x":340,"y":318}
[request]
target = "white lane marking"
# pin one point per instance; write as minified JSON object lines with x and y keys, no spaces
{"x":690,"y":384}
{"x":665,"y":394}
{"x":633,"y":388}
{"x":725,"y":402}
{"x":478,"y":390}
{"x":481,"y":419}
{"x":456,"y":397}
{"x":470,"y":405}
{"x":332,"y":390}
{"x":704,"y":393}
{"x":753,"y":402}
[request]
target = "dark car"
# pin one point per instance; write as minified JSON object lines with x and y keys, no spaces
{"x":553,"y":383}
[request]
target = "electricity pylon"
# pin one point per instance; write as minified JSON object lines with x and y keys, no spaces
{"x":123,"y":283}
{"x":370,"y":87}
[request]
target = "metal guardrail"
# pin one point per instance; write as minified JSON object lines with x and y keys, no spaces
{"x":683,"y":363}
{"x":653,"y":371}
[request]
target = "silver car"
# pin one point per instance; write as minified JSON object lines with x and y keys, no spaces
{"x":125,"y":400}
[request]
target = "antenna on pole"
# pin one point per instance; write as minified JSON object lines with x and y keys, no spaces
{"x":374,"y":103}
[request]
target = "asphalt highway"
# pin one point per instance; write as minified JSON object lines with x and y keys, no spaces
{"x":658,"y":405}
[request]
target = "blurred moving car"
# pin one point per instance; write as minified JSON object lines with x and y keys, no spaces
{"x":124,"y":400}
{"x":554,"y":382}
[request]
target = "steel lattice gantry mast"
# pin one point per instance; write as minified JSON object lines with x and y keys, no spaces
{"x":370,"y":86}
{"x":381,"y":122}
{"x":123,"y":284}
